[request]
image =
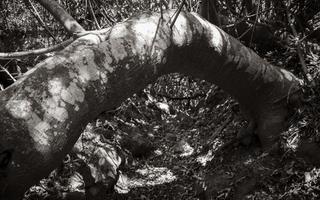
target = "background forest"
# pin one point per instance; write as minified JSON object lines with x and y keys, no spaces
{"x":179,"y":137}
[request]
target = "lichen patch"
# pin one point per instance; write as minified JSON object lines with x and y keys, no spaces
{"x":72,"y":94}
{"x":51,"y":62}
{"x":58,"y":113}
{"x":55,"y":86}
{"x":20,"y":109}
{"x":117,"y":46}
{"x":38,"y":130}
{"x":87,"y":68}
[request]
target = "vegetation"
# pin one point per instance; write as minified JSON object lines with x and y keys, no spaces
{"x":180,"y":137}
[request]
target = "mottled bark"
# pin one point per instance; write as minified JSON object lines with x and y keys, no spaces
{"x":43,"y":113}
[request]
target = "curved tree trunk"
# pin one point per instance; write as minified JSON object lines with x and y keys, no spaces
{"x":43,"y":113}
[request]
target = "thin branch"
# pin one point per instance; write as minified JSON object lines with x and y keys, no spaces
{"x":105,"y":11}
{"x":306,"y":74}
{"x":255,"y":22}
{"x":36,"y":14}
{"x":177,"y":14}
{"x":93,"y":15}
{"x":22,"y":54}
{"x":101,"y":34}
{"x":170,"y":4}
{"x":8,"y":73}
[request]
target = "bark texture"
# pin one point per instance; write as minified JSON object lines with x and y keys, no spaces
{"x":68,"y":22}
{"x":43,"y":113}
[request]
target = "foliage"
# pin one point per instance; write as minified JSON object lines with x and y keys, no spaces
{"x":151,"y":128}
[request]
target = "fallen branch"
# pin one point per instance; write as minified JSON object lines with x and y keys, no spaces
{"x":36,"y":52}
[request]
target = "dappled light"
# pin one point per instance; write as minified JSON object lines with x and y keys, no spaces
{"x":169,"y":99}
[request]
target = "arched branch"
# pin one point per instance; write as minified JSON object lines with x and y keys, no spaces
{"x":43,"y":113}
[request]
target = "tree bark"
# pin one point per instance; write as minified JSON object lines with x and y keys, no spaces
{"x":68,"y":22}
{"x":43,"y":113}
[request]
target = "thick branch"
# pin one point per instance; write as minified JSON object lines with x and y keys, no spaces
{"x":43,"y":113}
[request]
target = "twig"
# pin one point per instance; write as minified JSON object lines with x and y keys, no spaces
{"x":8,"y":73}
{"x":15,"y":55}
{"x":177,"y":14}
{"x":300,"y":53}
{"x":34,"y":11}
{"x":93,"y":15}
{"x":255,"y":22}
{"x":105,"y":14}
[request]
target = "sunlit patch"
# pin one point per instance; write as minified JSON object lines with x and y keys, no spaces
{"x":145,"y":33}
{"x":59,"y":113}
{"x":87,"y":70}
{"x":148,"y":39}
{"x":292,"y":139}
{"x":55,"y":106}
{"x":104,"y":77}
{"x":52,"y":62}
{"x":39,"y":135}
{"x":184,"y":149}
{"x":286,"y":74}
{"x":72,"y":94}
{"x":248,"y":161}
{"x":118,"y":31}
{"x":152,"y":176}
{"x":54,"y":109}
{"x":19,"y":108}
{"x":92,"y":38}
{"x":37,"y":128}
{"x":117,"y":46}
{"x":108,"y":63}
{"x":76,"y":182}
{"x":312,"y":177}
{"x":204,"y":159}
{"x":55,"y":86}
{"x":216,"y":37}
{"x":181,"y":34}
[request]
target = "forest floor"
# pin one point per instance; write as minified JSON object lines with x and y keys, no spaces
{"x":187,"y":148}
{"x":198,"y":156}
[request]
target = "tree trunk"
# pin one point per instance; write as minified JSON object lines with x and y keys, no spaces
{"x":43,"y":113}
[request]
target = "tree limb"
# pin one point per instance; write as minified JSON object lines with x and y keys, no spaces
{"x":43,"y":113}
{"x":35,"y":13}
{"x":64,"y":18}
